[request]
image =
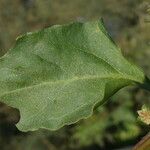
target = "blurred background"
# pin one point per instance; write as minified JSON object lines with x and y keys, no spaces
{"x":114,"y":125}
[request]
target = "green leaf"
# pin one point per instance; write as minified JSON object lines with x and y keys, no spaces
{"x":57,"y":76}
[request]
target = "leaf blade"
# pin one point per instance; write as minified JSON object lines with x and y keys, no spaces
{"x":63,"y":71}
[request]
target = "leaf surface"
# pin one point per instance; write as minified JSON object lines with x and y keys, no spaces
{"x":57,"y":76}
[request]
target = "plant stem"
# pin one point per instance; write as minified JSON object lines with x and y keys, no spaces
{"x":144,"y":144}
{"x":146,"y":84}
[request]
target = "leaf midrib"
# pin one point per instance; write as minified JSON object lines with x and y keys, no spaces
{"x":113,"y":76}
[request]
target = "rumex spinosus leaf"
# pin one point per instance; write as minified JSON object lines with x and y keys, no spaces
{"x":57,"y":76}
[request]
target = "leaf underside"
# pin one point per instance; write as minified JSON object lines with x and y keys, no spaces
{"x":57,"y":76}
